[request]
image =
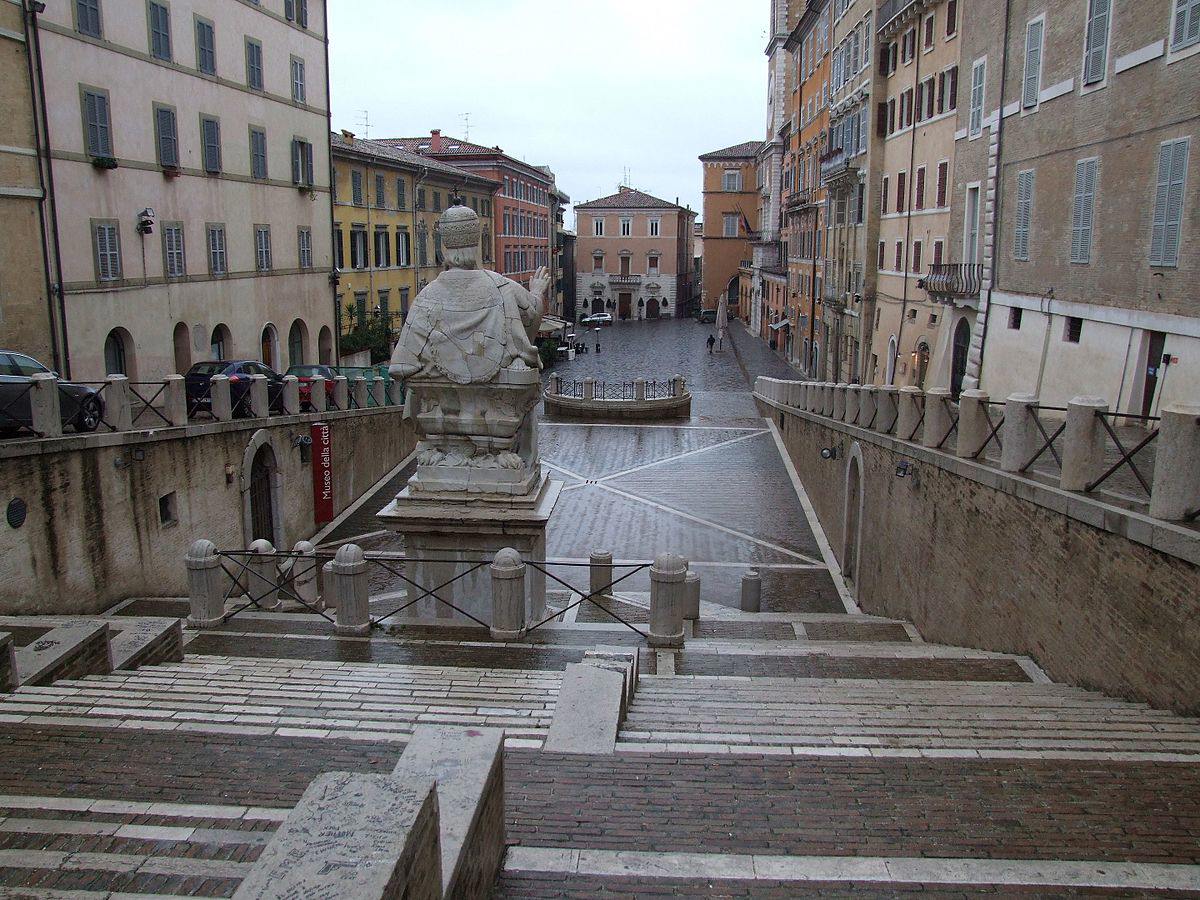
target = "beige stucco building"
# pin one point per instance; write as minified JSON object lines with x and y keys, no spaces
{"x":730,"y":208}
{"x":189,"y":146}
{"x":633,"y":256}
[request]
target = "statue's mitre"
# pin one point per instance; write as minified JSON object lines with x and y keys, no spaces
{"x":460,"y":228}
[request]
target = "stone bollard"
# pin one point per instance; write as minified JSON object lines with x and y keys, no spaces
{"x":45,"y":406}
{"x":1175,"y":491}
{"x":341,"y":392}
{"x":885,"y":408}
{"x":291,"y":395}
{"x":317,"y":398}
{"x":206,"y":598}
{"x":795,"y":394}
{"x":589,"y":389}
{"x":600,"y":574}
{"x":375,"y":393}
{"x":678,"y":386}
{"x":262,"y":575}
{"x":556,"y":385}
{"x":639,"y":389}
{"x":328,"y":597}
{"x":751,"y":591}
{"x":816,"y":397}
{"x":691,"y":596}
{"x":853,"y":392}
{"x":175,"y":405}
{"x":301,"y":592}
{"x":827,"y":398}
{"x":395,"y":392}
{"x":867,"y":414}
{"x":973,"y":427}
{"x":909,"y":400}
{"x":260,"y":399}
{"x":348,"y":572}
{"x":118,"y":410}
{"x":839,"y":401}
{"x":666,"y":600}
{"x":937,"y":416}
{"x":359,"y":391}
{"x":508,"y":595}
{"x":1083,"y":443}
{"x":220,"y":401}
{"x":1020,"y":437}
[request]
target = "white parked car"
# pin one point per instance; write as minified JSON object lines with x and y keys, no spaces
{"x":597,"y":319}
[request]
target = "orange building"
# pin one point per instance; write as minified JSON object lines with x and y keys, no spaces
{"x":730,"y":206}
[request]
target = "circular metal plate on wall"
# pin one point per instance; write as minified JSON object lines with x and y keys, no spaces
{"x":15,"y":513}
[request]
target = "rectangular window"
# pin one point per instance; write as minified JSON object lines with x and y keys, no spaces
{"x":262,"y":247}
{"x":380,"y":192}
{"x":655,"y":227}
{"x":383,"y":248}
{"x":437,"y":201}
{"x":929,"y":33}
{"x":299,"y":93}
{"x":1072,"y":329}
{"x":107,"y":243}
{"x":860,"y":204}
{"x":1185,"y":29}
{"x":916,"y":256}
{"x":901,"y":197}
{"x":975,"y":126}
{"x":937,"y":252}
{"x":884,"y":196}
{"x":1032,"y":83}
{"x":920,"y":188}
{"x":422,"y":249}
{"x":729,"y":223}
{"x":1024,"y":215}
{"x":952,"y":88}
{"x":1083,"y":210}
{"x":403,"y":248}
{"x":943,"y":176}
{"x":626,"y":227}
{"x":598,"y":227}
{"x":166,"y":137}
{"x":210,"y":144}
{"x":304,"y":247}
{"x":206,"y":47}
{"x":96,"y":123}
{"x":296,"y":11}
{"x":254,"y":64}
{"x":339,"y":251}
{"x":420,"y":198}
{"x":258,"y":153}
{"x":87,"y":17}
{"x":1014,"y":318}
{"x":881,"y":262}
{"x":356,"y":187}
{"x":652,"y":265}
{"x":174,"y":263}
{"x":733,"y":180}
{"x":358,"y":248}
{"x":216,"y":250}
{"x":160,"y":30}
{"x":899,"y":255}
{"x":1168,"y":202}
{"x":400,"y":199}
{"x":1095,"y":58}
{"x":951,"y":17}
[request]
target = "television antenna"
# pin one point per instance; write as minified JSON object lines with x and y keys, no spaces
{"x":466,"y":117}
{"x":364,"y":122}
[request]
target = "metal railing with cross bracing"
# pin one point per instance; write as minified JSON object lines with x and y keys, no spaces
{"x":1126,"y":458}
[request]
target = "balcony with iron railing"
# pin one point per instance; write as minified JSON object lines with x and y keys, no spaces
{"x":950,"y":280}
{"x":890,"y":10}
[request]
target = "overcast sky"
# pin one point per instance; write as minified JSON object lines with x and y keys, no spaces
{"x":587,"y":87}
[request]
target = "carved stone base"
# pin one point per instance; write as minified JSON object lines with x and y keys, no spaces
{"x":456,"y":531}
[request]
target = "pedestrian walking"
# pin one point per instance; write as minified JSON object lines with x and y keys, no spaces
{"x":711,"y":343}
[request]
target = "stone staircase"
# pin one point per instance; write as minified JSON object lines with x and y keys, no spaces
{"x":297,"y":698}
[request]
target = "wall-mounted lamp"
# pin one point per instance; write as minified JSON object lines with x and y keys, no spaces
{"x":906,"y":469}
{"x":830,"y":452}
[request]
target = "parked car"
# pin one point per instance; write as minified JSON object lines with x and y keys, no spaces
{"x":199,"y":377}
{"x":597,"y":319}
{"x":80,"y":406}
{"x":707,"y":316}
{"x":305,"y":375}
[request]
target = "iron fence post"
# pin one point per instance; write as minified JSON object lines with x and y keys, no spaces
{"x":1175,"y":491}
{"x":45,"y":406}
{"x":1083,"y":443}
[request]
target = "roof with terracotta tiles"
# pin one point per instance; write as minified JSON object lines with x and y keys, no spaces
{"x":628,"y":199}
{"x":403,"y":157}
{"x":747,"y":150}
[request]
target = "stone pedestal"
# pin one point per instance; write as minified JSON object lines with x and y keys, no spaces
{"x":453,"y":532}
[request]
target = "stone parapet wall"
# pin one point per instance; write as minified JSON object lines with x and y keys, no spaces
{"x":99,"y":529}
{"x":1101,"y":597}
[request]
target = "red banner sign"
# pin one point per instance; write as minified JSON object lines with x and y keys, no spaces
{"x":322,"y":470}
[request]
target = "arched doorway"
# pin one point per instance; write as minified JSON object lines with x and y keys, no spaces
{"x":297,"y":343}
{"x":958,"y":366}
{"x":921,"y":363}
{"x":852,"y":537}
{"x":261,"y":485}
{"x":220,"y":343}
{"x":325,"y":346}
{"x":270,"y":346}
{"x":118,"y":354}
{"x":182,"y":339}
{"x":893,"y":350}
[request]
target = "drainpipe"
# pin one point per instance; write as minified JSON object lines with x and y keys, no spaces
{"x":337,"y":328}
{"x":33,"y":44}
{"x":908,"y":190}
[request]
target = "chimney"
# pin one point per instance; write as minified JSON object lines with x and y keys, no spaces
{"x":348,"y":135}
{"x":623,"y":188}
{"x":435,"y":141}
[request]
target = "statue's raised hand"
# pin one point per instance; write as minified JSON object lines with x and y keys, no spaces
{"x":539,"y":284}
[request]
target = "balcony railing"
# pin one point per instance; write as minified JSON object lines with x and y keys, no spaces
{"x":954,"y":279}
{"x":632,"y":280}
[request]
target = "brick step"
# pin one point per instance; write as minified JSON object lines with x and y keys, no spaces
{"x":54,"y":844}
{"x":736,"y":709}
{"x":752,"y":721}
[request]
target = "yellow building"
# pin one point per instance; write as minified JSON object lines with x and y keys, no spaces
{"x":385,"y":236}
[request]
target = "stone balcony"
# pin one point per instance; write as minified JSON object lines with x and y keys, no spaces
{"x":836,"y":168}
{"x":625,"y":280}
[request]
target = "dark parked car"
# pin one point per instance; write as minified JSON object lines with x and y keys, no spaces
{"x":305,"y":375}
{"x":199,"y":377}
{"x":80,"y":406}
{"x":707,"y":316}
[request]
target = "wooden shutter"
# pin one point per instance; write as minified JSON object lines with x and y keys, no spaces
{"x":211,"y":135}
{"x":943,"y":174}
{"x":168,"y":143}
{"x":952,"y":100}
{"x":95,"y":110}
{"x":289,"y":10}
{"x":1033,"y":64}
{"x":1168,"y":203}
{"x":1083,"y":210}
{"x":920,"y":187}
{"x":1024,"y":215}
{"x":302,"y":13}
{"x":108,"y":253}
{"x":901,"y":200}
{"x":1096,"y":51}
{"x":884,"y":194}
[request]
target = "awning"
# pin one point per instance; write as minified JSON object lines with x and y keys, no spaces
{"x":782,"y":323}
{"x":551,"y":324}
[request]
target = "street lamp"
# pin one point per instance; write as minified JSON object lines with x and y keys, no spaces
{"x":597,"y":329}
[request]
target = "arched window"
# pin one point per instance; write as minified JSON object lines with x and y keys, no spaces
{"x":270,"y":346}
{"x":891,"y":360}
{"x":220,"y":343}
{"x":325,"y":346}
{"x":297,"y":343}
{"x":118,"y":353}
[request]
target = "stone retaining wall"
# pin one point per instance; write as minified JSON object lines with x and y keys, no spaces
{"x":100,"y":527}
{"x":1100,"y":597}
